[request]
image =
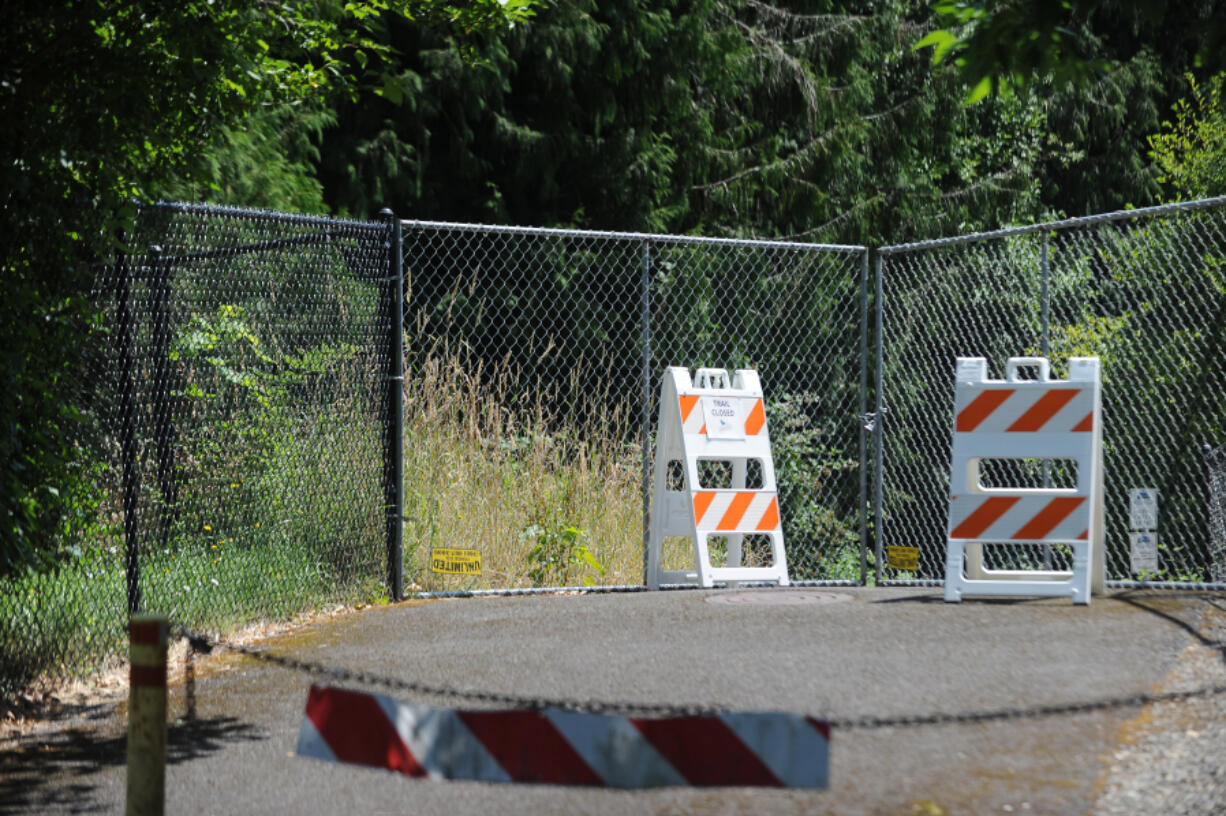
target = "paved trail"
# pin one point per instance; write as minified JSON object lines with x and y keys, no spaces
{"x":879,"y":652}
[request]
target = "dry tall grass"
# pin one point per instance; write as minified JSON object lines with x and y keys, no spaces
{"x":547,"y":502}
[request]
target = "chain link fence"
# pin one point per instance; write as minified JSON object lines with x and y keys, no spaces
{"x":1144,"y":291}
{"x":249,"y":427}
{"x":533,"y":369}
{"x":236,"y":389}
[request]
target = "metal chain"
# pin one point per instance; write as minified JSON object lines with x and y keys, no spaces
{"x":1032,"y":712}
{"x":204,"y":645}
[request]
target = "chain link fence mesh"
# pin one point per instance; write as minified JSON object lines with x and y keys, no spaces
{"x":236,"y":386}
{"x":533,"y":369}
{"x":1145,"y":292}
{"x":239,"y":430}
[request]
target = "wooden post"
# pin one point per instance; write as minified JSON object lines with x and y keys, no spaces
{"x":147,"y":716}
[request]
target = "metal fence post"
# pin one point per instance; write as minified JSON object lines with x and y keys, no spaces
{"x":160,"y":399}
{"x":863,"y":414}
{"x":646,"y":401}
{"x":393,"y":477}
{"x":1045,"y":294}
{"x":879,"y":428}
{"x":128,"y":423}
{"x":1045,"y":306}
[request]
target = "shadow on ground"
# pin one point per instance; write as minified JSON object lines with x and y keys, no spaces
{"x":61,"y":770}
{"x":1160,"y":605}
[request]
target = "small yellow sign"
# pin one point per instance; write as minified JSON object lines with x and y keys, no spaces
{"x":903,"y":558}
{"x":453,"y":561}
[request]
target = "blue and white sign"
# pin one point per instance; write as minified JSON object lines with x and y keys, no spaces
{"x":1143,"y":508}
{"x":1144,"y":552}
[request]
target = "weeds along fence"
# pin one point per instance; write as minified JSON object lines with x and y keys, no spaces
{"x":239,"y":421}
{"x":533,"y":364}
{"x":1144,"y":290}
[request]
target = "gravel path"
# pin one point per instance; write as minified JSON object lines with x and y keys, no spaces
{"x":1172,"y":758}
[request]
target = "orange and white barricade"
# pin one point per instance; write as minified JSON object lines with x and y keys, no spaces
{"x":715,"y":418}
{"x":1019,"y":418}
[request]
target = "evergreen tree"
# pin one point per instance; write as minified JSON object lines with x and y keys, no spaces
{"x":722,"y":116}
{"x":109,"y":103}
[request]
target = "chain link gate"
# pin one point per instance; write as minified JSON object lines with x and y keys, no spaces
{"x":1145,"y":291}
{"x":534,"y":359}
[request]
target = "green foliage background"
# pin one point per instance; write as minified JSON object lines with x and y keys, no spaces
{"x":813,"y":119}
{"x":106,"y":104}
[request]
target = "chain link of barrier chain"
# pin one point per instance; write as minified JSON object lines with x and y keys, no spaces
{"x":203,"y":644}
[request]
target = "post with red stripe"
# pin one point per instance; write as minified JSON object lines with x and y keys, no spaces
{"x":715,"y":418}
{"x":1026,"y":419}
{"x":147,"y":716}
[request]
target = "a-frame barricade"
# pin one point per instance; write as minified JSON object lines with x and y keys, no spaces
{"x":719,"y":419}
{"x":1026,"y":419}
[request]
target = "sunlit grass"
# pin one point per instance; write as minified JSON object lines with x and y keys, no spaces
{"x":546,"y":502}
{"x":534,"y":496}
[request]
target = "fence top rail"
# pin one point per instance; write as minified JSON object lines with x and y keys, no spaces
{"x":267,"y":215}
{"x":555,"y":232}
{"x":1056,"y":226}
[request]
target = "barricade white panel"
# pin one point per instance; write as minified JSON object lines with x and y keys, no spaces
{"x":1018,"y":418}
{"x":714,"y":417}
{"x":554,"y":746}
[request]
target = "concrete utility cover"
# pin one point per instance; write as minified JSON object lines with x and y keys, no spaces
{"x":778,"y":597}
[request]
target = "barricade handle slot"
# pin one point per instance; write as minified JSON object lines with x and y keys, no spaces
{"x":1015,"y":363}
{"x":715,"y":378}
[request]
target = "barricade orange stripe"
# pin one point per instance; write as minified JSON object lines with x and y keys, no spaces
{"x":981,"y":408}
{"x":1056,"y":511}
{"x":1086,"y":425}
{"x":687,"y":405}
{"x":702,"y":500}
{"x":985,"y":516}
{"x":770,"y":519}
{"x":1043,"y":410}
{"x":736,"y":510}
{"x":756,"y":419}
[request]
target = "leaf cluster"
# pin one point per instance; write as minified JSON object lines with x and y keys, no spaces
{"x":1190,"y":152}
{"x":106,"y":103}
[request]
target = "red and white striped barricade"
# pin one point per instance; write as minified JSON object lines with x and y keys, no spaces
{"x":722,"y":419}
{"x":554,"y":746}
{"x":1019,"y":418}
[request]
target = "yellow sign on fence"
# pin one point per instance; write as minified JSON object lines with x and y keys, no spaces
{"x":903,"y":558}
{"x":455,"y":561}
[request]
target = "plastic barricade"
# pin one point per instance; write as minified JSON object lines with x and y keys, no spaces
{"x":1030,"y":419}
{"x":721,"y":419}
